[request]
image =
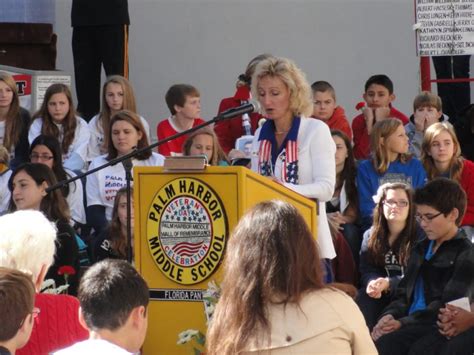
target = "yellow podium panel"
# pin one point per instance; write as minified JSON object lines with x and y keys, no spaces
{"x":182,"y":225}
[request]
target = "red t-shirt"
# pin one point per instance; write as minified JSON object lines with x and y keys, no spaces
{"x":361,"y":136}
{"x":164,"y":130}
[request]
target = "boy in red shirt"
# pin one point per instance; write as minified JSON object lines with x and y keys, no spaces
{"x":325,"y":108}
{"x":379,"y":96}
{"x":184,"y":103}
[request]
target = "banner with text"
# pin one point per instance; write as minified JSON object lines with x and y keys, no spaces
{"x":444,"y":27}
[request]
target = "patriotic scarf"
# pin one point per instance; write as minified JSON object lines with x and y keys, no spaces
{"x":268,"y":151}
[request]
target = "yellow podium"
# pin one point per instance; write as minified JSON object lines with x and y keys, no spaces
{"x":182,"y":225}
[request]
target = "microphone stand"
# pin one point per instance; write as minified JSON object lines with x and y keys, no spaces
{"x":128,"y":166}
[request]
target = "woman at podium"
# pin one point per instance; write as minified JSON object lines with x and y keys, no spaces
{"x":294,"y":150}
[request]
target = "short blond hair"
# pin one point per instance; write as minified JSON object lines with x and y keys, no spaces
{"x":301,"y":102}
{"x":27,"y":241}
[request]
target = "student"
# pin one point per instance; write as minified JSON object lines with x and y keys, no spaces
{"x":343,"y":209}
{"x":228,"y":131}
{"x":113,"y":243}
{"x":326,"y":109}
{"x":440,"y":270}
{"x":184,"y":103}
{"x":204,"y":142}
{"x":117,"y":94}
{"x":427,"y":111}
{"x":126,"y":133}
{"x":389,"y":163}
{"x":14,"y":121}
{"x":57,"y":118}
{"x":273,"y":296}
{"x":5,"y":174}
{"x":28,"y":185}
{"x":114,"y":300}
{"x":379,"y":97}
{"x":28,"y":243}
{"x":386,"y":248}
{"x":441,"y":156}
{"x":46,"y":150}
{"x":17,"y":311}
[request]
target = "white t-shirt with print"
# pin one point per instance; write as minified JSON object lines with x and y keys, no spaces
{"x":102,"y":186}
{"x":97,"y":137}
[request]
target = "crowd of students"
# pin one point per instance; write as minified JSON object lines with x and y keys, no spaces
{"x":395,"y":193}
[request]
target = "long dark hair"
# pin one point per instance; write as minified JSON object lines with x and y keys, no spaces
{"x":271,"y":257}
{"x":348,"y":173}
{"x":53,"y":204}
{"x":118,"y":240}
{"x":69,"y":123}
{"x":53,"y":145}
{"x":378,"y":240}
{"x":134,"y":120}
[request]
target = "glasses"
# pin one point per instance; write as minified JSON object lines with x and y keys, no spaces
{"x":393,"y":203}
{"x":34,"y":314}
{"x":427,"y":218}
{"x":40,"y":157}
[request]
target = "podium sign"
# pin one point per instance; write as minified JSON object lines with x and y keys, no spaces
{"x":182,"y":225}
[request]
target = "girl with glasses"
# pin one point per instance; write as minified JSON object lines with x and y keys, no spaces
{"x":390,"y":162}
{"x":385,"y":248}
{"x":47,"y":150}
{"x":441,"y":157}
{"x":14,"y":121}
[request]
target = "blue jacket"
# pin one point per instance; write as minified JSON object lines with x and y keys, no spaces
{"x":368,"y":181}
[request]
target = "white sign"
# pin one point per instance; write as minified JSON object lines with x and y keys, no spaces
{"x":444,"y":27}
{"x":43,"y":82}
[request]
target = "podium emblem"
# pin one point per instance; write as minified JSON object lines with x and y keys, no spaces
{"x":187,"y":230}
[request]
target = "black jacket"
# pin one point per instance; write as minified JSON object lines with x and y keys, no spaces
{"x":447,"y":276}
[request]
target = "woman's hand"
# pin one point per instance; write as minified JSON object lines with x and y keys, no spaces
{"x":336,"y":219}
{"x":376,"y":287}
{"x":235,"y":154}
{"x":385,"y":325}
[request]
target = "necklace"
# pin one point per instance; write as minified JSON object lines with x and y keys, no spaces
{"x":281,"y":132}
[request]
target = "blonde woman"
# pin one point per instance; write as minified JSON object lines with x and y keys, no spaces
{"x":390,"y":162}
{"x":290,"y":148}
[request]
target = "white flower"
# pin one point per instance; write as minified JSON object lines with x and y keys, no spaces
{"x":213,"y":291}
{"x":186,"y":336}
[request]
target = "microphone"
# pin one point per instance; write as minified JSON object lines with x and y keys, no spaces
{"x":249,"y":107}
